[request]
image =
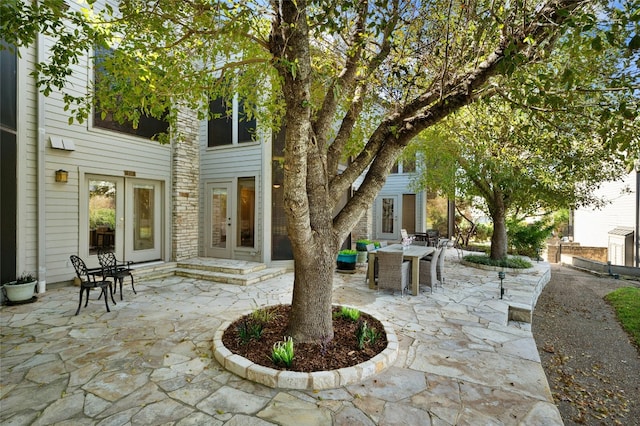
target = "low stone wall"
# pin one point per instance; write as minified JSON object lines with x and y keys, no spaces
{"x":563,"y":252}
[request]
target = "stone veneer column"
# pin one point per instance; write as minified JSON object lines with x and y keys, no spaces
{"x":364,"y":227}
{"x":185,"y":187}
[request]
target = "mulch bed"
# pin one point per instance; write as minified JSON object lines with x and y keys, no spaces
{"x":340,"y":352}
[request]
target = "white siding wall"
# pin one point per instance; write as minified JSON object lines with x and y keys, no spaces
{"x":96,"y":151}
{"x":591,"y":227}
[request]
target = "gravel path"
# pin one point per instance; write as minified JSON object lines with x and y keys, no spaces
{"x":592,"y":367}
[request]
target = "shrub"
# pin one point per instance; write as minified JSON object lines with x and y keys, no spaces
{"x":527,"y":239}
{"x":506,"y":262}
{"x":282,"y":352}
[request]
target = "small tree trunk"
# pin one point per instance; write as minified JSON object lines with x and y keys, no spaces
{"x":499,"y":236}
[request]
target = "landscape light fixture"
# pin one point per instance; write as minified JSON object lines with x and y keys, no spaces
{"x":501,"y":276}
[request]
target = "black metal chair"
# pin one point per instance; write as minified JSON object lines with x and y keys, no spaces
{"x":88,"y":281}
{"x":115,"y":269}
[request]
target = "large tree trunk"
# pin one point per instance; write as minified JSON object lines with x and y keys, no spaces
{"x":499,"y":237}
{"x":306,"y":196}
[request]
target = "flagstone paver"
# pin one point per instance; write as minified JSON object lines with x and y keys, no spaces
{"x":150,"y":360}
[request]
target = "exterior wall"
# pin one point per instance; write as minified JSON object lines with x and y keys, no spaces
{"x":398,"y":184}
{"x":49,"y":212}
{"x":364,"y":228}
{"x":227,"y":164}
{"x":591,"y":227}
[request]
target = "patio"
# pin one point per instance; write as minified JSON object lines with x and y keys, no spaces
{"x":150,"y":361}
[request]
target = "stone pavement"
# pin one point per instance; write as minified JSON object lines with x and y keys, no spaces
{"x":149,"y":361}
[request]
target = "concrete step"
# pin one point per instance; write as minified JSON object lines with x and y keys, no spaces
{"x":242,"y":279}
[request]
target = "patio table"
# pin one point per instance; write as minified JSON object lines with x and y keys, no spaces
{"x":413,"y":253}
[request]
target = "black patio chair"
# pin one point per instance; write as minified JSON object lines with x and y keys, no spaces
{"x":88,"y":281}
{"x":115,"y":269}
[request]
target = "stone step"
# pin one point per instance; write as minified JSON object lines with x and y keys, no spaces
{"x":225,"y":266}
{"x":153,"y":271}
{"x":242,"y":279}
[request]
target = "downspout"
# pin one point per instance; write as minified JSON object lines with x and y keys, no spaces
{"x":41,"y":175}
{"x":637,"y":234}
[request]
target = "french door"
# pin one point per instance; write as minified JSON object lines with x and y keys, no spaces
{"x":230,"y":218}
{"x":124,"y":216}
{"x":387,"y":210}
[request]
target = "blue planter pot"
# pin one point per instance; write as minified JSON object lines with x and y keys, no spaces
{"x":347,"y":262}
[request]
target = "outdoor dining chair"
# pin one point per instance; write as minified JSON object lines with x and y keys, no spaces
{"x":115,"y":269}
{"x":88,"y":281}
{"x":428,"y":273}
{"x":393,"y":273}
{"x":371,"y":247}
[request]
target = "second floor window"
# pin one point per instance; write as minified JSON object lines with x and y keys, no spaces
{"x":229,"y":124}
{"x":147,"y":126}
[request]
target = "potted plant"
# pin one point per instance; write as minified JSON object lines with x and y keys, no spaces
{"x":361,"y":248}
{"x":347,"y":260}
{"x":22,"y":288}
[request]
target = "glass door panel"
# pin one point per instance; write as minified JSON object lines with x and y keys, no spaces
{"x":219,"y":222}
{"x":388,"y":218}
{"x":246,"y":212}
{"x":143,"y":220}
{"x":143,"y":223}
{"x":102,"y":215}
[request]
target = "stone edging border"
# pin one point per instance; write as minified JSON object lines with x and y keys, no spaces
{"x":317,"y":380}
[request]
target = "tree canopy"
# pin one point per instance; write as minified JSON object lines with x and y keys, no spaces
{"x":342,"y":77}
{"x":544,"y":147}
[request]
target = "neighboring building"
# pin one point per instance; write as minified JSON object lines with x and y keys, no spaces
{"x":592,"y":228}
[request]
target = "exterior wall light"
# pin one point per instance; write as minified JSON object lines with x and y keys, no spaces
{"x":62,"y":176}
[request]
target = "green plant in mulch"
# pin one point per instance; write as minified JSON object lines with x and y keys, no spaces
{"x":248,"y":329}
{"x":350,"y":313}
{"x":262,"y":315}
{"x":366,"y":335}
{"x":282,"y":352}
{"x":505,"y":262}
{"x":626,"y":303}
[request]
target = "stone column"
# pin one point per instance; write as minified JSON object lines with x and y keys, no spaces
{"x":185,"y":188}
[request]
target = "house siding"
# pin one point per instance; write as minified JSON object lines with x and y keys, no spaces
{"x":591,"y":227}
{"x":96,"y":151}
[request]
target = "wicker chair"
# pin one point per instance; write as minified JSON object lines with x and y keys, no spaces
{"x":428,"y":272}
{"x":393,"y":273}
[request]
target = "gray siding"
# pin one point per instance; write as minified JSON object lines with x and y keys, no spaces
{"x":96,"y":151}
